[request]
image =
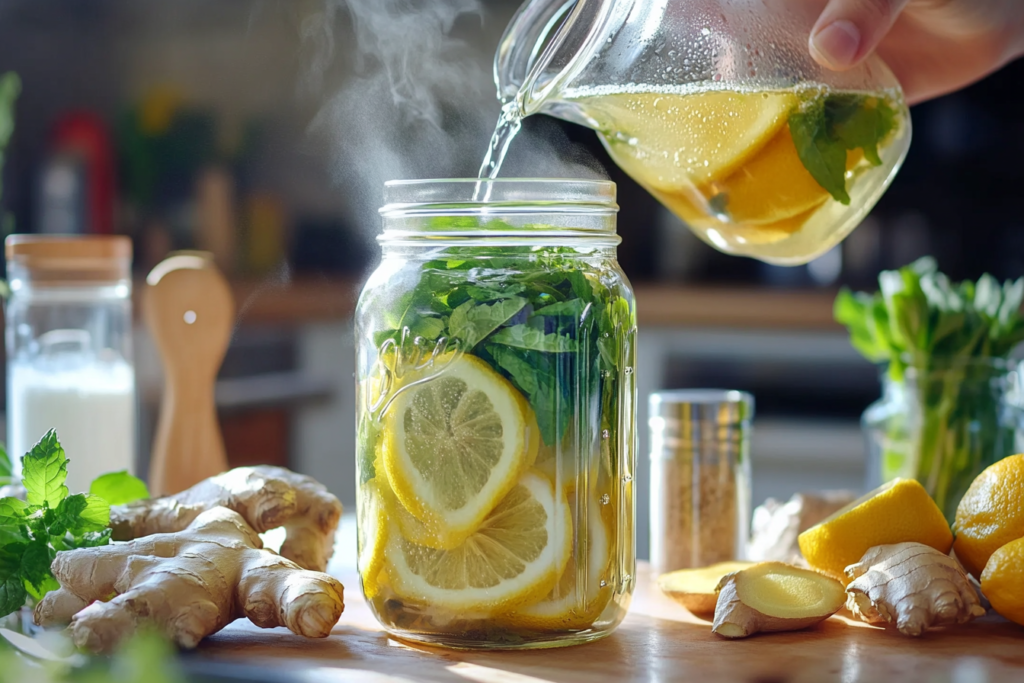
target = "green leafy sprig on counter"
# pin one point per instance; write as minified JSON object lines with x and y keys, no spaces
{"x":49,"y":520}
{"x":838,"y":123}
{"x":532,"y":313}
{"x":919,"y":315}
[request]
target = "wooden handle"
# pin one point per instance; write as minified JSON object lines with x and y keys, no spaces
{"x":190,"y":313}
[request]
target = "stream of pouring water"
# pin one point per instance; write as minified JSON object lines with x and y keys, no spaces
{"x":509,"y":123}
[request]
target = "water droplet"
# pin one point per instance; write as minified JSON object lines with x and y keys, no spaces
{"x":705,"y":31}
{"x":717,"y":78}
{"x":605,"y":499}
{"x":626,"y":578}
{"x":629,"y":370}
{"x":604,"y":583}
{"x":605,"y":434}
{"x":605,"y":335}
{"x":673,"y":54}
{"x":627,"y":478}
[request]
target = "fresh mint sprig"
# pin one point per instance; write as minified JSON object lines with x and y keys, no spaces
{"x":835,"y":124}
{"x":49,"y":520}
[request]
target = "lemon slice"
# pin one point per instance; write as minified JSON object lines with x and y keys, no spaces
{"x":689,"y":138}
{"x":455,"y":445}
{"x":413,"y":529}
{"x":370,"y":534}
{"x":515,"y":556}
{"x":567,"y":607}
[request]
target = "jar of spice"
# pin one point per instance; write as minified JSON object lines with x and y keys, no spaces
{"x":69,"y":351}
{"x":700,"y":477}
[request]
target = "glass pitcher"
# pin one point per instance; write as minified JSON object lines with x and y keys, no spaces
{"x":717,"y":108}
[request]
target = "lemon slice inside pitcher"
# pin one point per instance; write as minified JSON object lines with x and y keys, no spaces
{"x":455,"y":445}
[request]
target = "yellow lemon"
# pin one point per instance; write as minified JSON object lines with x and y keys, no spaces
{"x":897,"y":512}
{"x":455,"y":444}
{"x":515,"y":556}
{"x":1003,"y":579}
{"x":991,"y":513}
{"x":370,"y":535}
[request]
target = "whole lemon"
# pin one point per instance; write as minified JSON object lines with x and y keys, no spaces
{"x":991,"y":513}
{"x":1002,"y":580}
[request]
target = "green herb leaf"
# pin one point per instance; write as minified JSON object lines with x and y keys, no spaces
{"x":44,"y":471}
{"x":89,"y":539}
{"x":526,"y":337}
{"x":471,"y":322}
{"x":6,"y":467}
{"x":822,"y":156}
{"x":573,"y":308}
{"x":12,"y":587}
{"x":12,"y":511}
{"x":35,"y":569}
{"x":519,"y":370}
{"x":827,"y":129}
{"x":119,"y":488}
{"x":80,"y":513}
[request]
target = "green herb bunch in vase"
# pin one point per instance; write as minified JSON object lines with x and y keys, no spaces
{"x":951,"y":402}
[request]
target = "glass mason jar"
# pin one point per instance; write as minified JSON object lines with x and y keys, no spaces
{"x":495,"y":411}
{"x":944,"y":424}
{"x":69,"y":351}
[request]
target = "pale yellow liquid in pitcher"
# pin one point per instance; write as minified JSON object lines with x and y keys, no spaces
{"x":725,"y":161}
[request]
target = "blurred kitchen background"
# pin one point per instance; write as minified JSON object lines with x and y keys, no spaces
{"x":262,"y":130}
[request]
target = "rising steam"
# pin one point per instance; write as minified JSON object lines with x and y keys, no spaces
{"x":407,"y":93}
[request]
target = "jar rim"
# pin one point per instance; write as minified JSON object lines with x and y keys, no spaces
{"x":473,"y":196}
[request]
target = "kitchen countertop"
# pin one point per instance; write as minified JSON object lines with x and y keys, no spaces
{"x":658,"y":641}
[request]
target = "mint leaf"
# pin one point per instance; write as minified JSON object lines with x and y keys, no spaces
{"x":119,"y":488}
{"x":471,"y":322}
{"x":44,"y":471}
{"x":573,"y":308}
{"x":520,"y":371}
{"x":6,"y":467}
{"x":12,"y":588}
{"x":12,"y":511}
{"x":35,"y":569}
{"x":80,"y":513}
{"x":822,"y":156}
{"x":830,"y":127}
{"x":525,"y":337}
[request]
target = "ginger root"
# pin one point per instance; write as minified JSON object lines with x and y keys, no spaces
{"x":912,"y":585}
{"x":695,"y":589}
{"x":266,"y":497}
{"x":189,"y":584}
{"x":776,"y":526}
{"x":772,"y":596}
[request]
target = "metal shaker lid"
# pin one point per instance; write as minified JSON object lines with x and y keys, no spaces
{"x":720,"y":407}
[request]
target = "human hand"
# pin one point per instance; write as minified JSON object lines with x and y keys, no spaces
{"x":933,"y":46}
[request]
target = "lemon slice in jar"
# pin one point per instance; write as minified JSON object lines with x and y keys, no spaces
{"x":455,"y":444}
{"x":370,"y":532}
{"x":572,"y":604}
{"x":516,"y":556}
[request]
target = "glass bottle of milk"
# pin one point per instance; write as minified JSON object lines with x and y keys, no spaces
{"x":69,"y":351}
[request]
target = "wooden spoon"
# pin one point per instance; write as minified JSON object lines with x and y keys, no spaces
{"x":190,"y":313}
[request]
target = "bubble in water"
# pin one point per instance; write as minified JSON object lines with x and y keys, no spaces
{"x":705,"y":31}
{"x":627,"y":478}
{"x":629,"y":370}
{"x":605,"y":499}
{"x":604,"y":583}
{"x":605,"y":434}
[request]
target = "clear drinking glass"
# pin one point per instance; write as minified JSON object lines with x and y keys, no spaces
{"x":495,"y":410}
{"x":718,"y":109}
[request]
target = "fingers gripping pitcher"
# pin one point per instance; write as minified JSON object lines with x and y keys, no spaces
{"x":717,"y":108}
{"x":496,"y":444}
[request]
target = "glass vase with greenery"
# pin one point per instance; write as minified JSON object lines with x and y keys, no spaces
{"x":951,"y":402}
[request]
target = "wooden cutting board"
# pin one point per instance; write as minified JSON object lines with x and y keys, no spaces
{"x":659,"y":641}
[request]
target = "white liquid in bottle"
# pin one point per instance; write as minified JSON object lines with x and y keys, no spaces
{"x":92,"y":407}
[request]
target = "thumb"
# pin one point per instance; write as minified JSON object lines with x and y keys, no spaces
{"x":850,"y":30}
